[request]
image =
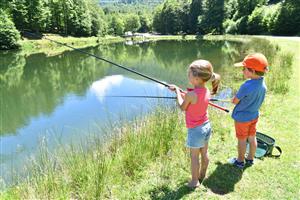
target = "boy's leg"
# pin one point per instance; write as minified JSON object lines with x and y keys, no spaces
{"x":242,"y":132}
{"x":252,"y":139}
{"x":253,"y":146}
{"x":204,"y":162}
{"x":195,"y":165}
{"x":242,"y":144}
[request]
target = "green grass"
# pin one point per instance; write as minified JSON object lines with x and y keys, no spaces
{"x":147,"y":159}
{"x":51,"y":48}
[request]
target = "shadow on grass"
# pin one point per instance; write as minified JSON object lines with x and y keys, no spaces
{"x":164,"y":192}
{"x":224,"y":178}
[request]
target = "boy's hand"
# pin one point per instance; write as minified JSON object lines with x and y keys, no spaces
{"x":235,"y":100}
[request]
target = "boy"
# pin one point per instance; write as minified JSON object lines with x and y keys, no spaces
{"x":248,"y":101}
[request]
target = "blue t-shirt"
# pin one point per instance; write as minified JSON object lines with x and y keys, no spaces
{"x":251,"y":95}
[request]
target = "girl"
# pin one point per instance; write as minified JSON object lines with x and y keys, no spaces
{"x":195,"y":103}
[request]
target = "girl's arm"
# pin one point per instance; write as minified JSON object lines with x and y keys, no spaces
{"x":183,"y":98}
{"x":183,"y":103}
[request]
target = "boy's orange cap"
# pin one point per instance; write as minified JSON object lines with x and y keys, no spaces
{"x":256,"y":61}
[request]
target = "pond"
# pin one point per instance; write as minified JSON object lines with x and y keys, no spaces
{"x":67,"y":97}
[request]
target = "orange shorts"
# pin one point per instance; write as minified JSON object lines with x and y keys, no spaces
{"x":245,"y":129}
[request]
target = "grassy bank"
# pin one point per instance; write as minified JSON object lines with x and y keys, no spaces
{"x":48,"y":47}
{"x":31,"y":46}
{"x":147,"y":159}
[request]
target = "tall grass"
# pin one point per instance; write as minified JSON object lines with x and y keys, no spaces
{"x":280,"y":74}
{"x":78,"y":173}
{"x":280,"y":69}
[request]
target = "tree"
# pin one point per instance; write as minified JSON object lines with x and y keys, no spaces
{"x":255,"y":22}
{"x":132,"y":22}
{"x":19,"y":13}
{"x":38,"y":14}
{"x":288,"y":21}
{"x":246,"y":7}
{"x":145,"y":23}
{"x":99,"y":26}
{"x":78,"y":18}
{"x":58,"y":16}
{"x":195,"y":11}
{"x":230,"y":9}
{"x":9,"y":35}
{"x":157,"y":21}
{"x":169,"y":18}
{"x":117,"y":26}
{"x":212,"y":17}
{"x":184,"y":16}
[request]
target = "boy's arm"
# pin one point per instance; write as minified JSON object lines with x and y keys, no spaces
{"x":240,"y":94}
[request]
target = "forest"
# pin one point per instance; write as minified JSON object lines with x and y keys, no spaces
{"x":84,"y":18}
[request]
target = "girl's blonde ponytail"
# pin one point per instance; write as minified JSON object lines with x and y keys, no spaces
{"x":215,"y":81}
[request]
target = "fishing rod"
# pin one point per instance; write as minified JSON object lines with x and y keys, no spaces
{"x":120,"y":66}
{"x":141,"y":96}
{"x":162,"y":97}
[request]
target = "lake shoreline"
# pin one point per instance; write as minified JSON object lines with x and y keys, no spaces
{"x":30,"y":46}
{"x":50,"y":48}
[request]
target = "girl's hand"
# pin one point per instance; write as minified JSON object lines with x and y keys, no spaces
{"x":172,"y":87}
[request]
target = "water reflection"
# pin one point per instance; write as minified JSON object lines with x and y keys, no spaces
{"x":35,"y":84}
{"x":79,"y":116}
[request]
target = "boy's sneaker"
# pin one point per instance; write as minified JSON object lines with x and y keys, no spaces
{"x":236,"y":163}
{"x":249,"y":162}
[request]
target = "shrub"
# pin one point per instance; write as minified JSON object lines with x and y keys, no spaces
{"x":255,"y":21}
{"x":132,"y":22}
{"x":241,"y":25}
{"x":230,"y":26}
{"x":9,"y":35}
{"x":116,"y":26}
{"x":271,"y":16}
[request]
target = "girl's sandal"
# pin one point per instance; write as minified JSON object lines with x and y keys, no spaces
{"x":192,"y":185}
{"x":201,"y":178}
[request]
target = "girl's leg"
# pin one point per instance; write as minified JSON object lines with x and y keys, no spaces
{"x":204,"y":162}
{"x":253,"y":146}
{"x":194,"y":167}
{"x":242,"y":144}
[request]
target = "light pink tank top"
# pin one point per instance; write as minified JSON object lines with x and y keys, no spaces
{"x":196,"y":114}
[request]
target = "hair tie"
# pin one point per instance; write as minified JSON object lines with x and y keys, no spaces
{"x":213,"y":76}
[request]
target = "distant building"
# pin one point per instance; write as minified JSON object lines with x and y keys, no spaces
{"x":128,"y":34}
